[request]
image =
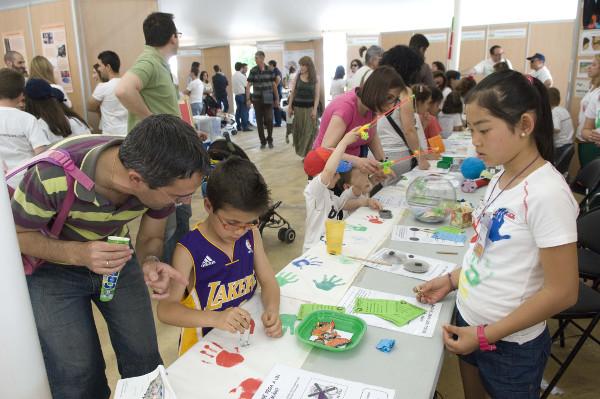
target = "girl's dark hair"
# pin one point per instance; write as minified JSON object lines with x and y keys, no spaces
{"x":436,"y":95}
{"x":357,"y":62}
{"x":440,"y":66}
{"x":421,"y":92}
{"x":507,"y":95}
{"x":202,"y":74}
{"x":238,"y":183}
{"x":362,"y":50}
{"x":452,"y":104}
{"x":339,"y":73}
{"x":52,"y":112}
{"x":405,"y":61}
{"x":374,"y":91}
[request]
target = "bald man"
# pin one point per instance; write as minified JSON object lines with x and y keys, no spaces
{"x":14,"y":60}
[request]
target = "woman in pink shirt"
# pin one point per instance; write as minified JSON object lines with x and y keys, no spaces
{"x":356,"y":108}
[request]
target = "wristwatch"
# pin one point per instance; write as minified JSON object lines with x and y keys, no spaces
{"x":484,"y":344}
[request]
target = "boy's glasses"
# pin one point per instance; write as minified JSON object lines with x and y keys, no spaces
{"x":234,"y":226}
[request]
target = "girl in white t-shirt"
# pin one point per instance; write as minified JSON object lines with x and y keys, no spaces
{"x":54,"y":117}
{"x":521,"y":265}
{"x":450,"y":118}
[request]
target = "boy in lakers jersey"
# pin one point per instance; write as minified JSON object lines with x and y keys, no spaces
{"x":224,"y":259}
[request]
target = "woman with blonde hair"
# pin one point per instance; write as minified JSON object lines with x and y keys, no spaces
{"x":304,"y":101}
{"x":41,"y":68}
{"x":587,"y":134}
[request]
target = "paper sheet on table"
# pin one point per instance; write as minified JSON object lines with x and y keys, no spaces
{"x":421,"y":235}
{"x":437,"y":267}
{"x":318,"y":277}
{"x":289,"y":383}
{"x":391,"y":197}
{"x":153,"y":385}
{"x":366,"y":231}
{"x":397,"y":312}
{"x":423,"y":326}
{"x":217,"y":367}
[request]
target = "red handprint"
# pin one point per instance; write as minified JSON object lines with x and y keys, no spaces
{"x":248,"y":388}
{"x":374,"y":219}
{"x":221,"y":357}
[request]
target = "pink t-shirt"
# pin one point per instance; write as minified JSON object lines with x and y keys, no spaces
{"x":345,"y":106}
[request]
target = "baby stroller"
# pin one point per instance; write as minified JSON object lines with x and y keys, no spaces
{"x":220,"y":150}
{"x":228,"y":125}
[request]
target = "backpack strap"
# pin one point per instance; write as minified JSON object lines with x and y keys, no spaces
{"x":398,"y":130}
{"x":73,"y":174}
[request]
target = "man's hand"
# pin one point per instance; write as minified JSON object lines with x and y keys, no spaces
{"x":157,"y":276}
{"x":101,"y":257}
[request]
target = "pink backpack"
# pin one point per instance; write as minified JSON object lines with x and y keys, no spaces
{"x":73,"y":173}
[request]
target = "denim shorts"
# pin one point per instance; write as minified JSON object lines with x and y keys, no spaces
{"x":512,"y":371}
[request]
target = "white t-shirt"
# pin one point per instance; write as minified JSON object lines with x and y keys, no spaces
{"x":238,"y":82}
{"x":445,"y":93}
{"x":540,"y":212}
{"x":448,"y":122}
{"x":542,"y":74}
{"x":114,"y":114}
{"x":196,"y":88}
{"x":588,"y":108}
{"x":321,"y":204}
{"x":562,"y":120}
{"x":486,"y":66}
{"x":77,"y":128}
{"x":67,"y":101}
{"x":338,"y":86}
{"x":357,"y":78}
{"x":20,"y":134}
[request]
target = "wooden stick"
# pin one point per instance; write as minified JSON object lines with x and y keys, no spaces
{"x":378,"y":262}
{"x":446,"y":253}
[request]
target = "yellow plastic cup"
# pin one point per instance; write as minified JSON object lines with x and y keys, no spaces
{"x":334,"y":236}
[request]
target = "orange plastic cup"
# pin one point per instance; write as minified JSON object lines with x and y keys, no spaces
{"x":334,"y":236}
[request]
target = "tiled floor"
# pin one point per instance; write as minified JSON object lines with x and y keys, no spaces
{"x":282,"y":169}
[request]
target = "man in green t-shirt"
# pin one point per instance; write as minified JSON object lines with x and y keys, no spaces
{"x":148,"y":88}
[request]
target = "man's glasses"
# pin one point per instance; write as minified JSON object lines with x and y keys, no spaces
{"x":234,"y":226}
{"x":178,"y":199}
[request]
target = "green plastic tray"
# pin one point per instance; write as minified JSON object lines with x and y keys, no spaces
{"x":343,"y":322}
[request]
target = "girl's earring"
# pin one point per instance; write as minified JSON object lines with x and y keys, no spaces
{"x":522,"y":134}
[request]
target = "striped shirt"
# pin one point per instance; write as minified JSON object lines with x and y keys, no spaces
{"x":39,"y":197}
{"x":262,"y":81}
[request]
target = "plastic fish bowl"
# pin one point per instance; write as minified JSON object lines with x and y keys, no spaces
{"x":431,"y":198}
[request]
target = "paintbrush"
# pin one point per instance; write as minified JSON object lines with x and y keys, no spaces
{"x":377,"y":262}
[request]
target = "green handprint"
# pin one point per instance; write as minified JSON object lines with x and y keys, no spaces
{"x":344,"y":260}
{"x":328,"y":284}
{"x":288,"y":322}
{"x":357,"y":227}
{"x":286,"y":278}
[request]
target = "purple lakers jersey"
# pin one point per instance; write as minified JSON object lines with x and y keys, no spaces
{"x":219,"y":281}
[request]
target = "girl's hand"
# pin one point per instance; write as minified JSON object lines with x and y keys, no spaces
{"x":434,"y":290}
{"x":313,"y":114}
{"x":291,"y":110}
{"x":374,"y":204}
{"x":272,"y":324}
{"x":466,"y":341}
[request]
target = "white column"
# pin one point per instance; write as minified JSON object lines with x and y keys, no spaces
{"x":22,"y":371}
{"x":335,"y":52}
{"x":455,"y":34}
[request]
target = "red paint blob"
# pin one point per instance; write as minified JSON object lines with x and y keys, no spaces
{"x":229,"y":359}
{"x":249,"y":387}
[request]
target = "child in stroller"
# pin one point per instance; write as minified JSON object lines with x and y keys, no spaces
{"x":222,"y":149}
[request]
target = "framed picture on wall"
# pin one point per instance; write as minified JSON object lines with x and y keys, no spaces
{"x":581,"y":87}
{"x":582,"y":67}
{"x":589,"y":42}
{"x":591,"y":14}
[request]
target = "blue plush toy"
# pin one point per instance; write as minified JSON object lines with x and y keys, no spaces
{"x":472,"y":167}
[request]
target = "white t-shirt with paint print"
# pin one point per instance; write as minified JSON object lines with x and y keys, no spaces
{"x":540,"y":212}
{"x":321,"y":204}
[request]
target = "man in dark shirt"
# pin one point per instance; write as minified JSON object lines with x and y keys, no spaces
{"x":264,"y":98}
{"x":220,"y":84}
{"x":279,"y":82}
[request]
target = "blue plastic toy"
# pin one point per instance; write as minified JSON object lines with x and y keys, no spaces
{"x":386,"y":345}
{"x":472,"y":167}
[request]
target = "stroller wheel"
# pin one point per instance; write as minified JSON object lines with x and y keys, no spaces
{"x":281,"y":234}
{"x":234,"y":132}
{"x":290,"y":236}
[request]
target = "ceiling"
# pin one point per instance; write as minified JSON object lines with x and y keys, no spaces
{"x":209,"y":22}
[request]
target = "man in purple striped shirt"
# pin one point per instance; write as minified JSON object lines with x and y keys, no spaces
{"x":159,"y":165}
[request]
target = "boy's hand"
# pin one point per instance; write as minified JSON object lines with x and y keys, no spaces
{"x":351,"y":137}
{"x":233,"y":320}
{"x":272,"y":324}
{"x":374,"y":204}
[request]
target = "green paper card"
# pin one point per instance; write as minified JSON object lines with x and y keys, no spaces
{"x":397,"y":312}
{"x":308,"y":308}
